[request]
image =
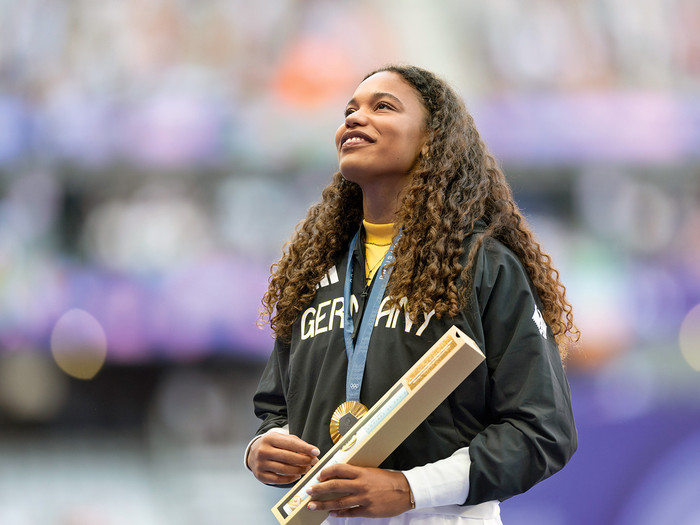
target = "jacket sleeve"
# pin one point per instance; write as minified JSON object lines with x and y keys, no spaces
{"x":270,"y":399}
{"x":531,"y":432}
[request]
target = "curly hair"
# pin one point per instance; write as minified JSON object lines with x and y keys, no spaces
{"x":457,"y":183}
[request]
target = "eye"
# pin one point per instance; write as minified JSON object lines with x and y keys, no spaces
{"x":383,"y":105}
{"x":348,"y":111}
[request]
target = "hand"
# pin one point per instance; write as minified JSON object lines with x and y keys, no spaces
{"x":360,"y":492}
{"x":278,"y":458}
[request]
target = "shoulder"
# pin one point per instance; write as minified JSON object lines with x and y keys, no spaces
{"x":494,"y":253}
{"x":500,"y":277}
{"x":493,"y":258}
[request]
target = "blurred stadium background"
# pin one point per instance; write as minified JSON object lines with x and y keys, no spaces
{"x":156,"y":154}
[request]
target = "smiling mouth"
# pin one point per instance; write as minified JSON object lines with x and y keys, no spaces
{"x":355,"y":139}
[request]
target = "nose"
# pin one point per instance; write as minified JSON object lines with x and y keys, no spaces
{"x":356,"y":118}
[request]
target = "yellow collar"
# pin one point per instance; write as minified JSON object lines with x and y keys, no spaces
{"x":378,"y":234}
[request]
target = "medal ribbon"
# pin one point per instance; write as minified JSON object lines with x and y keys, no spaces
{"x":357,"y":353}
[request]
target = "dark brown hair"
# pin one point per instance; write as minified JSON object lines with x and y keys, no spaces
{"x":456,"y":184}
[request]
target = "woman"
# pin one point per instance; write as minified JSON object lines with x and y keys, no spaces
{"x":420,"y":208}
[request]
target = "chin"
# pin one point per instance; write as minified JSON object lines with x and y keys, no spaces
{"x":351,"y":173}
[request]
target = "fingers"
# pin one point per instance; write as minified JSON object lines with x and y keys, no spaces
{"x":291,"y":443}
{"x":348,"y":491}
{"x":287,"y":455}
{"x":275,"y":479}
{"x":340,"y":484}
{"x":278,"y":473}
{"x":340,"y":471}
{"x":345,"y":506}
{"x":284,"y":448}
{"x":281,"y":458}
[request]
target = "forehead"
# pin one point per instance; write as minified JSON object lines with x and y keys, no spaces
{"x":392,"y":83}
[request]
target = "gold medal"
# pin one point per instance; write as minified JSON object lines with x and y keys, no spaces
{"x":344,"y":417}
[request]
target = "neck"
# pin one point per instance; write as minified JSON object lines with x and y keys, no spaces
{"x":380,"y":204}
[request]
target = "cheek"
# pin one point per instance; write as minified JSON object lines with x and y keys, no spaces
{"x":338,"y":134}
{"x":417,"y":141}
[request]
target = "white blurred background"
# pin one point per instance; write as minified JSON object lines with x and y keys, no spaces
{"x":156,"y":154}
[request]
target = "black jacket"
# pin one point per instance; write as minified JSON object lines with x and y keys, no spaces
{"x":513,"y":412}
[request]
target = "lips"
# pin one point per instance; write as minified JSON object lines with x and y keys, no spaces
{"x":354,"y":137}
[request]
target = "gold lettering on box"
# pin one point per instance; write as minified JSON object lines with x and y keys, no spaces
{"x":429,"y":362}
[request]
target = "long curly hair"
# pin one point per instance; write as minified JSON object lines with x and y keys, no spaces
{"x":457,"y":183}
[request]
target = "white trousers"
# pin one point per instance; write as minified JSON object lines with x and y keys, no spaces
{"x":415,"y":520}
{"x":488,"y":513}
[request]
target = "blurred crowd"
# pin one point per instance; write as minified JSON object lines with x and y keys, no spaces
{"x":156,"y":154}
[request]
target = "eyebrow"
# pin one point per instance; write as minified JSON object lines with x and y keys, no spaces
{"x":377,"y":95}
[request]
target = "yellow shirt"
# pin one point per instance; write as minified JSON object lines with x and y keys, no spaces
{"x":378,"y":238}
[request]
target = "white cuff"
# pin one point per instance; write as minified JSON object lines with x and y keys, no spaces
{"x":445,"y":482}
{"x":281,"y":430}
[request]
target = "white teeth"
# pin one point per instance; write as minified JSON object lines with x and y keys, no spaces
{"x":355,"y":139}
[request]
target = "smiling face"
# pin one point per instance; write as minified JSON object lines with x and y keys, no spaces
{"x":383,"y":133}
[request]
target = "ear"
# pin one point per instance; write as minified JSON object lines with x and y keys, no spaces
{"x":424,"y":151}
